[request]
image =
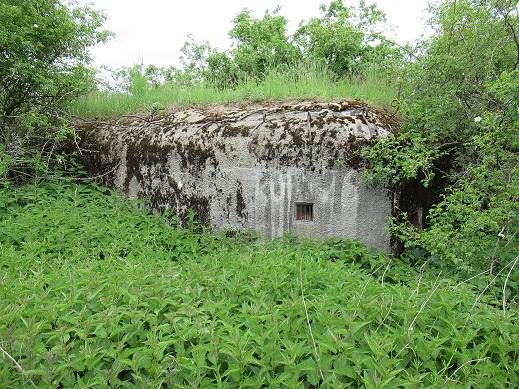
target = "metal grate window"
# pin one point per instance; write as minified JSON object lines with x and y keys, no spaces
{"x":305,"y":212}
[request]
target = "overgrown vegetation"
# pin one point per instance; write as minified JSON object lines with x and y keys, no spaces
{"x":304,"y":81}
{"x":461,"y":103}
{"x":96,"y":291}
{"x":342,"y":53}
{"x":457,"y":92}
{"x":43,"y":68}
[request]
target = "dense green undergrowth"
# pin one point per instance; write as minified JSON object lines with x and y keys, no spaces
{"x":97,"y":292}
{"x":301,"y":82}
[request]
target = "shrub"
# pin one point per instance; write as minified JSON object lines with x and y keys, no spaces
{"x":461,"y":106}
{"x":43,"y":67}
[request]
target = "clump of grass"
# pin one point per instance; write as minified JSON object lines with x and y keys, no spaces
{"x":97,"y":292}
{"x":303,"y":81}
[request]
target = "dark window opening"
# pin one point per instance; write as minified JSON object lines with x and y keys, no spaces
{"x":305,"y":212}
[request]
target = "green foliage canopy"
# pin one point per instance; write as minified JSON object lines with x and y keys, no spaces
{"x":43,"y":67}
{"x":348,"y":41}
{"x":461,"y":105}
{"x":344,"y":38}
{"x":261,"y":44}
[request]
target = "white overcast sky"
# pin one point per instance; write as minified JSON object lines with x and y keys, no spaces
{"x":153,"y":31}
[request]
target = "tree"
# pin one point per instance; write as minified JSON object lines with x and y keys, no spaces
{"x":261,"y":44}
{"x":43,"y":66}
{"x":203,"y":63}
{"x":194,"y":58}
{"x":346,"y":39}
{"x":460,"y":141}
{"x":222,"y":72}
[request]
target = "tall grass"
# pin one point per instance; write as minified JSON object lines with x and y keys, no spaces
{"x":302,"y":81}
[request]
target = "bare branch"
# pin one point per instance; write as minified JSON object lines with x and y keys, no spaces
{"x":16,"y":365}
{"x":506,"y":282}
{"x":317,"y":358}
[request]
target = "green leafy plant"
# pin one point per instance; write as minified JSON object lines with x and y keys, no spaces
{"x":459,"y":141}
{"x":343,"y":54}
{"x":43,"y":67}
{"x":345,"y":38}
{"x":97,"y":291}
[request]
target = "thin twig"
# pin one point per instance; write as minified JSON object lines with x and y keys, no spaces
{"x":402,"y":349}
{"x":422,"y":269}
{"x":104,"y":174}
{"x":471,"y":278}
{"x":506,"y":281}
{"x":17,"y":365}
{"x":449,"y":378}
{"x":317,"y":358}
{"x":50,"y":155}
{"x":89,"y":178}
{"x":423,"y":306}
{"x":387,"y":314}
{"x":490,"y":283}
{"x":135,"y":117}
{"x":77,"y":145}
{"x":493,"y":257}
{"x":385,"y":271}
{"x":364,"y":289}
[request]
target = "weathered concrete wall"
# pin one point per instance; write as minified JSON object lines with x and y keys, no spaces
{"x":246,"y":167}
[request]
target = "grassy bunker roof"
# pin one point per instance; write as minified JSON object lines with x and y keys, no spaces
{"x":303,"y":133}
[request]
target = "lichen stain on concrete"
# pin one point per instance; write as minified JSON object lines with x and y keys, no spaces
{"x":241,"y":206}
{"x":246,"y":166}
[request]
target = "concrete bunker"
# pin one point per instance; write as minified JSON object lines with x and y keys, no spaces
{"x":273,"y":167}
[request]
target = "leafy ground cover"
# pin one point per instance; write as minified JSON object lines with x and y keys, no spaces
{"x":301,"y":82}
{"x":97,"y":292}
